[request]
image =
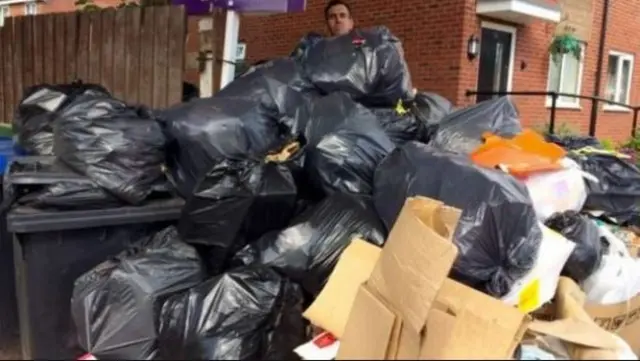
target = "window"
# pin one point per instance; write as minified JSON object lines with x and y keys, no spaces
{"x":619,"y":73}
{"x":565,"y":76}
{"x":4,"y":13}
{"x":31,"y":8}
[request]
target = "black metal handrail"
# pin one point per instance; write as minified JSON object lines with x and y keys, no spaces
{"x":554,"y":105}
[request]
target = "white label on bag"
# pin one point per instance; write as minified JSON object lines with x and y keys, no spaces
{"x":322,"y":347}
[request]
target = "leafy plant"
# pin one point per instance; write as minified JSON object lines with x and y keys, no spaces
{"x":565,"y":43}
{"x":561,"y":129}
{"x":86,"y":5}
{"x":608,"y":144}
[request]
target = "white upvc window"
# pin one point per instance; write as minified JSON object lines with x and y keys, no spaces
{"x":619,"y":75}
{"x":5,"y":12}
{"x":565,"y":76}
{"x":31,"y":8}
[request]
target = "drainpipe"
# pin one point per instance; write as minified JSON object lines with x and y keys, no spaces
{"x":596,"y":91}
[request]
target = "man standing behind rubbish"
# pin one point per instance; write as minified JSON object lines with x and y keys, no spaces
{"x":337,"y":13}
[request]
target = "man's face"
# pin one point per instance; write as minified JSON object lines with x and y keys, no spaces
{"x":339,"y":20}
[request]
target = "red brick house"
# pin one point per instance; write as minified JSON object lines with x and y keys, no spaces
{"x":435,"y":35}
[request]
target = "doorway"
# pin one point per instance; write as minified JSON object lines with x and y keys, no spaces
{"x":497,"y":52}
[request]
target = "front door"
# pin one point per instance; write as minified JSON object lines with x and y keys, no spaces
{"x":494,"y":74}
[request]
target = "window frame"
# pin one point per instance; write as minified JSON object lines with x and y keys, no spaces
{"x":574,"y":103}
{"x":622,"y":56}
{"x":5,"y":12}
{"x":27,"y":6}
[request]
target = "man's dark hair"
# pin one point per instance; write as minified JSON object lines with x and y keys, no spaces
{"x":333,"y":3}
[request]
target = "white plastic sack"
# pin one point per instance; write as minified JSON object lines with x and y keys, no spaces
{"x":617,"y":280}
{"x":618,"y":277}
{"x":539,"y":285}
{"x":557,"y":191}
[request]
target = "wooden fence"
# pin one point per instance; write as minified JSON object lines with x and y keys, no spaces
{"x":136,"y":53}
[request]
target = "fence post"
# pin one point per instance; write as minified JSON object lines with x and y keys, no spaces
{"x":552,"y":117}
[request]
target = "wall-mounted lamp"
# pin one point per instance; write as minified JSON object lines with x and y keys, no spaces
{"x":473,"y":47}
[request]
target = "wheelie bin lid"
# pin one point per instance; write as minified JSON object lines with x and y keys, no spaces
{"x":44,"y":170}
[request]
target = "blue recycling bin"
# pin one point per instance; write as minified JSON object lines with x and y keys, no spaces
{"x":9,"y":330}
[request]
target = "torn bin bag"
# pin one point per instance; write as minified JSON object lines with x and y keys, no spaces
{"x":309,"y":248}
{"x":345,"y":159}
{"x":120,"y":148}
{"x":462,"y":130}
{"x":236,"y":202}
{"x":368,"y":64}
{"x":617,"y":192}
{"x":243,"y":314}
{"x":116,"y":305}
{"x":498,"y":234}
{"x":430,"y":109}
{"x":205,"y":131}
{"x":33,"y":121}
{"x":584,"y":232}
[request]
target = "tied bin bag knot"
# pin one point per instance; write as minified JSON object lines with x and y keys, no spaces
{"x":234,"y":203}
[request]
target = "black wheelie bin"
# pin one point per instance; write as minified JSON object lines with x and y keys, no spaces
{"x":53,"y":247}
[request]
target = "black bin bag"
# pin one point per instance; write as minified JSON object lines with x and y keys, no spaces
{"x":43,"y":182}
{"x":277,"y":85}
{"x":310,"y":247}
{"x":309,"y":39}
{"x":573,"y":142}
{"x":330,"y":112}
{"x":368,"y":64}
{"x":119,"y":147}
{"x":400,"y":124}
{"x":116,"y":306}
{"x":430,"y":109}
{"x":249,"y":313}
{"x":346,"y":159}
{"x":39,"y":107}
{"x":206,"y":131}
{"x":236,"y":202}
{"x":587,"y":255}
{"x":498,"y":235}
{"x":461,"y":131}
{"x":617,"y":192}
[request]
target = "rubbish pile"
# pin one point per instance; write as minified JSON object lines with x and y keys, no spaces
{"x":328,"y":200}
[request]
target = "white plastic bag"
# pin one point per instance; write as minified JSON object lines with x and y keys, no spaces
{"x":618,"y":277}
{"x":557,"y":191}
{"x":539,"y":285}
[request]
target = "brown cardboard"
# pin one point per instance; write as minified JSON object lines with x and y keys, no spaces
{"x":622,"y":319}
{"x":416,"y":258}
{"x":584,"y":339}
{"x":330,"y":310}
{"x":408,"y":295}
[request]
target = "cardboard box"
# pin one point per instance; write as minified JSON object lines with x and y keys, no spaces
{"x":622,"y":319}
{"x":390,"y":311}
{"x":383,"y":303}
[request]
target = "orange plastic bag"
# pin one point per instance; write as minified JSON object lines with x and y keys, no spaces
{"x":522,"y":155}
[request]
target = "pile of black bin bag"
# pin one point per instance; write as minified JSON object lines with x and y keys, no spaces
{"x":280,"y":171}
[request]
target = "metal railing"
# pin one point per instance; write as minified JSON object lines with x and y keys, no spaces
{"x":554,"y":105}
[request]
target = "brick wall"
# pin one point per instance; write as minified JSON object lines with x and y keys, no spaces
{"x":434,"y":35}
